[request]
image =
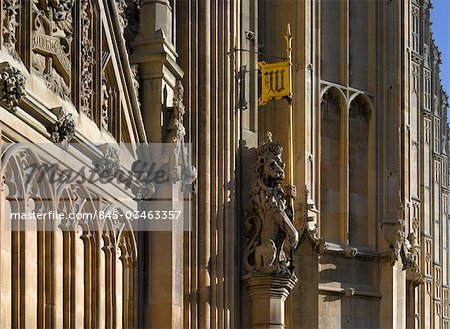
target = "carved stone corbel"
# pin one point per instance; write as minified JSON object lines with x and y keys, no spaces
{"x":64,"y":129}
{"x":12,"y":86}
{"x":401,"y":248}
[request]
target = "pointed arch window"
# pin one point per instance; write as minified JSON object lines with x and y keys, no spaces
{"x":330,"y":166}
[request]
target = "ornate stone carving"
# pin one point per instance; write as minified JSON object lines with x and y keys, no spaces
{"x":64,"y":128}
{"x":135,"y":76}
{"x":131,"y":15}
{"x":108,"y":165}
{"x":52,"y":42}
{"x":121,"y":6}
{"x":176,"y":157}
{"x":87,"y":58}
{"x":395,"y":236}
{"x":105,"y":103}
{"x":270,"y":235}
{"x":145,"y":190}
{"x":11,"y":10}
{"x":12,"y":86}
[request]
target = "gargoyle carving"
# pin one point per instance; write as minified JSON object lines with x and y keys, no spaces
{"x":270,"y":235}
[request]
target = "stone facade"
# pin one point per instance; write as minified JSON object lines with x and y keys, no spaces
{"x":358,"y":240}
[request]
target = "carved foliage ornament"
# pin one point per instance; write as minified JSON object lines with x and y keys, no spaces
{"x":11,"y":9}
{"x":109,"y":164}
{"x":106,"y":91}
{"x":121,"y":6}
{"x":87,"y":57}
{"x":12,"y":86}
{"x":270,"y":236}
{"x":64,"y":129}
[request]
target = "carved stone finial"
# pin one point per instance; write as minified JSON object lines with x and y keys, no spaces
{"x":64,"y":128}
{"x":108,"y":165}
{"x":12,"y":86}
{"x":269,"y":232}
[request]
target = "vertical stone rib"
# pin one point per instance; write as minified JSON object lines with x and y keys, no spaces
{"x":204,"y":164}
{"x":213,"y":162}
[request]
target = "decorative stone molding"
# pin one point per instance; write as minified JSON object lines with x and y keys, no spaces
{"x":87,"y":57}
{"x":109,"y":164}
{"x":105,"y":103}
{"x":268,"y":293}
{"x":270,"y":236}
{"x":10,"y":24}
{"x":121,"y":6}
{"x":273,"y":285}
{"x":12,"y":86}
{"x":64,"y":129}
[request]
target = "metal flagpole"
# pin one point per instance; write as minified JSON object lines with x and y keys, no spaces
{"x":288,"y":38}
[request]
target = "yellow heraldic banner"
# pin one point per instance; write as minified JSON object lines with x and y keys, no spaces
{"x":275,"y":81}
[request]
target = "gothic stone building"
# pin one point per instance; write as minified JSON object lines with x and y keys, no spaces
{"x":362,"y":243}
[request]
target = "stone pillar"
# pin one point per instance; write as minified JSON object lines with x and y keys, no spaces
{"x":160,"y":295}
{"x":268,"y":293}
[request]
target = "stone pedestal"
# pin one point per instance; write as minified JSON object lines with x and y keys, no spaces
{"x":268,"y":293}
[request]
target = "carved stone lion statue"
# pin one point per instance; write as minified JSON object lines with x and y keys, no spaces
{"x":270,"y":235}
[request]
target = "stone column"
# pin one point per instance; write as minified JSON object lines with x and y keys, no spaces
{"x":160,"y":296}
{"x":268,"y":293}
